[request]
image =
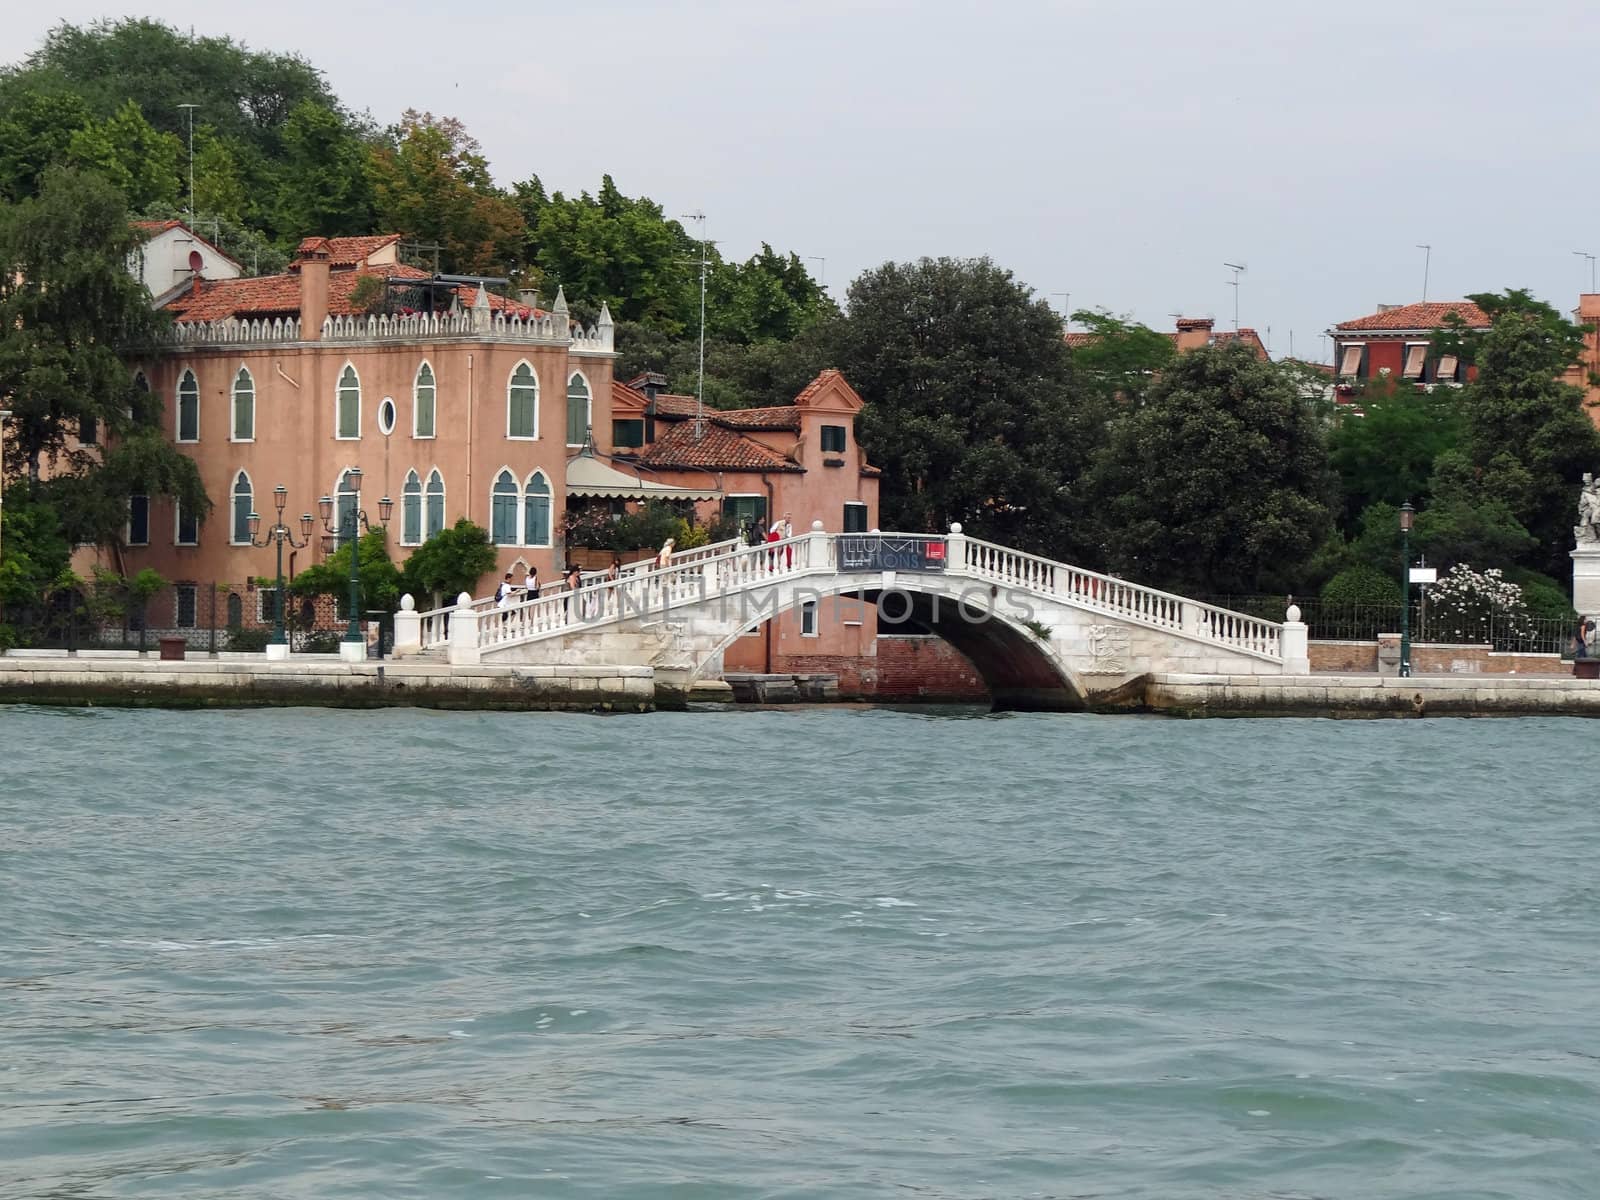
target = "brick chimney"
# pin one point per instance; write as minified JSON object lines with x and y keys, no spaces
{"x":1194,"y":332}
{"x":311,"y":261}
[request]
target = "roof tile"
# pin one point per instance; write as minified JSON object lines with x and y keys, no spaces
{"x":1429,"y":314}
{"x":279,"y":295}
{"x":718,"y":449}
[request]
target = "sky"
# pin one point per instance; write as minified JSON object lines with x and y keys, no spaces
{"x":1119,"y":151}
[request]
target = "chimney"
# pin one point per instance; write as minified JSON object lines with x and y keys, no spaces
{"x":1383,"y":308}
{"x":312,"y":263}
{"x":1194,"y":332}
{"x":528,"y":297}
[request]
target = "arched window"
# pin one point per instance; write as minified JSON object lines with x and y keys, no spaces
{"x":422,"y":406}
{"x":349,"y":403}
{"x":536,"y":511}
{"x":347,"y":500}
{"x":503,"y":510}
{"x":522,"y":403}
{"x":411,"y":511}
{"x":579,"y":415}
{"x":244,"y":501}
{"x":244,"y":407}
{"x":188,"y":408}
{"x":435,"y":513}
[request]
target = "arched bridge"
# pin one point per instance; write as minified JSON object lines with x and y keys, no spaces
{"x":1043,"y":634}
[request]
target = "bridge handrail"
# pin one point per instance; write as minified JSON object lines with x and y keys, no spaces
{"x":651,"y":591}
{"x":1156,"y":606}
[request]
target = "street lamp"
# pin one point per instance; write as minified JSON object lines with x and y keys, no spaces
{"x":1407,"y":513}
{"x":348,"y":530}
{"x":279,"y":533}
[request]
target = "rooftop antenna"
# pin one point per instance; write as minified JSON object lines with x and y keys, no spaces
{"x":822,"y":274}
{"x":1590,"y":257}
{"x":1427,"y":261}
{"x":1236,"y":268}
{"x":1066,"y":308}
{"x":700,"y":394}
{"x":191,"y":108}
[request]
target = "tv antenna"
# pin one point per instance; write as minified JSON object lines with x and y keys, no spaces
{"x":1066,"y":308}
{"x":191,"y":108}
{"x":822,"y":274}
{"x":1590,"y":257}
{"x":1237,"y":269}
{"x":1427,"y":261}
{"x":700,"y":394}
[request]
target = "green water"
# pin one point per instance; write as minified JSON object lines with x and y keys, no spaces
{"x":813,"y":953}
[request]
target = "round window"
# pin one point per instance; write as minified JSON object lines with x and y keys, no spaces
{"x":386,"y":413}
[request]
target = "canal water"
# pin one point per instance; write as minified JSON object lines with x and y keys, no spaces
{"x":807,"y":953}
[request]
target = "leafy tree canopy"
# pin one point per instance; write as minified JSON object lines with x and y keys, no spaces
{"x":1386,"y":442}
{"x":452,"y":561}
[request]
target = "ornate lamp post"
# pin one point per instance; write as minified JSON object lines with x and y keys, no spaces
{"x":278,"y":644}
{"x":1407,"y":513}
{"x":348,"y":530}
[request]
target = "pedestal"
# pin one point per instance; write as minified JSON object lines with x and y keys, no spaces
{"x":353,"y":651}
{"x":1586,"y":580}
{"x":277,"y":651}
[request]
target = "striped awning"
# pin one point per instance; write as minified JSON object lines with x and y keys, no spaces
{"x":588,"y":476}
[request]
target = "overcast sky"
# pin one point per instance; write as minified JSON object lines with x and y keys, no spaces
{"x":1121,"y":151}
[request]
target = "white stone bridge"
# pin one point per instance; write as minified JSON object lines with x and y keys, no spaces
{"x":1043,"y":634}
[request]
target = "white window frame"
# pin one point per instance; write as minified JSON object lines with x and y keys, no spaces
{"x":810,"y":619}
{"x":516,"y":512}
{"x":394,"y":417}
{"x":588,"y":416}
{"x":422,"y":512}
{"x":444,"y":505}
{"x":128,"y":532}
{"x":522,"y":437}
{"x":338,"y":389}
{"x":177,"y":408}
{"x":522,"y":511}
{"x":233,"y":529}
{"x":233,"y":405}
{"x":434,"y":400}
{"x":177,"y":526}
{"x":338,"y":491}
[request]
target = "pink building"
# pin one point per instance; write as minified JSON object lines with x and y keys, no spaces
{"x":1397,"y":341}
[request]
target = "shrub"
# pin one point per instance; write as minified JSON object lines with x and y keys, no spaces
{"x":1477,"y":606}
{"x":1361,"y":585}
{"x":249,"y":641}
{"x":1546,"y":599}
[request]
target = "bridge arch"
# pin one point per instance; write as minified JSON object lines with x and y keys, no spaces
{"x":1021,"y":670}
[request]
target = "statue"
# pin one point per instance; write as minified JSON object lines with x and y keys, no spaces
{"x":1587,"y":531}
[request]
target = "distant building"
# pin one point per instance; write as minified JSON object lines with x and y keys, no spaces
{"x":173,"y":256}
{"x":1581,"y":374}
{"x":1397,"y":340}
{"x":1191,"y":334}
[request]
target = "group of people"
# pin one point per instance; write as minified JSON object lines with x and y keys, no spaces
{"x":510,"y":592}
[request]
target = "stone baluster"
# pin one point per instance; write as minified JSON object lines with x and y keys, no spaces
{"x":956,"y":549}
{"x":464,"y":648}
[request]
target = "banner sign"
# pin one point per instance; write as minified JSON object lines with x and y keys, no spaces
{"x":877,"y":552}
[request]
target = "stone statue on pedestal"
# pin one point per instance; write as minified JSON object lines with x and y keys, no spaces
{"x":1587,"y":531}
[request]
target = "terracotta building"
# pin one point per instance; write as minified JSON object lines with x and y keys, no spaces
{"x":1397,"y":339}
{"x":1191,"y":333}
{"x":1584,"y":373}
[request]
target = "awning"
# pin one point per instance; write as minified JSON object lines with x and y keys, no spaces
{"x":588,"y":476}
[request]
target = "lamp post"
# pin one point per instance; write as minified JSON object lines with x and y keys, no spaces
{"x":279,"y":533}
{"x":1407,"y":513}
{"x":348,"y":529}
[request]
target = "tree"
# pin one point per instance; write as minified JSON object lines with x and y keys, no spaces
{"x":431,"y":182}
{"x":1219,"y":481}
{"x":68,"y":308}
{"x":1526,"y":440}
{"x":770,"y":297}
{"x":322,"y":188}
{"x":137,"y":159}
{"x":380,"y":581}
{"x":36,"y":127}
{"x":1119,"y":359}
{"x":449,"y":563}
{"x":968,"y":411}
{"x":1385,"y":444}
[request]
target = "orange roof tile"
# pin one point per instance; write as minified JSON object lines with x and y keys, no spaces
{"x":718,"y":449}
{"x":1425,"y":315}
{"x":348,"y":251}
{"x":155,"y":227}
{"x":827,"y":376}
{"x":782,"y":416}
{"x":627,"y":395}
{"x":279,"y":295}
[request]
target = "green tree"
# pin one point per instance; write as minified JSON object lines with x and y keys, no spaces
{"x":68,"y":308}
{"x":1219,"y":481}
{"x":37,"y":554}
{"x":769,"y":297}
{"x":220,"y":191}
{"x":431,"y":182}
{"x":380,"y":580}
{"x":36,"y":127}
{"x":452,"y":561}
{"x":1526,"y":440}
{"x":1385,"y":444}
{"x":322,"y":187}
{"x":968,"y":411}
{"x":137,"y":159}
{"x":1117,"y":358}
{"x":616,"y":249}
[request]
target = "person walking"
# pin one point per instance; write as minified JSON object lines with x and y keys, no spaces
{"x":572,"y":579}
{"x":530,"y":582}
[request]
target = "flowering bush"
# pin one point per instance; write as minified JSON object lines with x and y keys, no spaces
{"x":1478,"y":606}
